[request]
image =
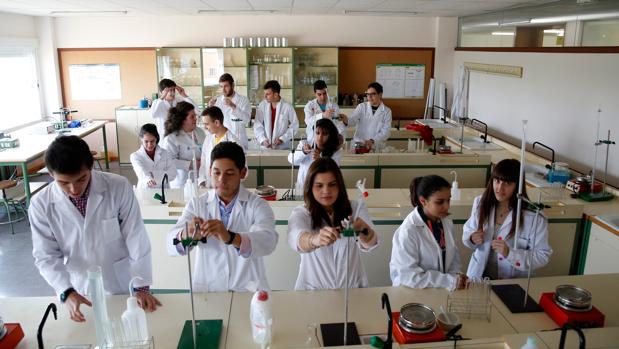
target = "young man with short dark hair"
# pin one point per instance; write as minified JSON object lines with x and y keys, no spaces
{"x":239,"y":228}
{"x":322,"y":108}
{"x":372,"y":118}
{"x":235,"y":107}
{"x":276,"y":120}
{"x":85,"y":219}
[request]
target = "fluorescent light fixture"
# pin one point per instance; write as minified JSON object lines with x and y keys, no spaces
{"x":237,"y":11}
{"x":558,"y":32}
{"x":87,"y":12}
{"x":514,"y":22}
{"x":504,"y":33}
{"x":553,"y":19}
{"x":370,"y":12}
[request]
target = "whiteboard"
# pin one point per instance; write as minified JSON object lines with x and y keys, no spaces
{"x":401,"y":80}
{"x":95,"y":82}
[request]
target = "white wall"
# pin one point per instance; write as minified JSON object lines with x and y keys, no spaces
{"x":48,"y":65}
{"x":17,"y":26}
{"x":559,"y":94}
{"x":208,"y":30}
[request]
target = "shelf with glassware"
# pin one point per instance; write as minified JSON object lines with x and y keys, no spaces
{"x":184,"y":66}
{"x":311,"y":64}
{"x":270,"y":63}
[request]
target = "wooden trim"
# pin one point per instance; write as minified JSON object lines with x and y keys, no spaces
{"x":603,"y":225}
{"x":394,"y":48}
{"x":73,"y":49}
{"x":64,"y":98}
{"x":580,"y":49}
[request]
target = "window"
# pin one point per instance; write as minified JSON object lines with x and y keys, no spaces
{"x":20,"y":87}
{"x":601,"y":33}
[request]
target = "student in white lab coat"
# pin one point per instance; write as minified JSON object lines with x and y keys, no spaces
{"x":314,"y":231}
{"x":490,"y":231}
{"x":326,"y":143}
{"x":151,"y":162}
{"x":321,"y":107}
{"x":235,"y":107}
{"x":214,"y":123}
{"x":424,"y":252}
{"x":238,"y":225}
{"x":183,"y":140}
{"x":84,"y":219}
{"x":276,"y":121}
{"x":372,"y":118}
{"x":167,"y":99}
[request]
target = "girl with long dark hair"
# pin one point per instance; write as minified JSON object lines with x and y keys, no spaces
{"x":314,"y":231}
{"x":490,"y":230}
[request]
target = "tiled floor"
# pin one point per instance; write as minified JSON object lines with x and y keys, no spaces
{"x":18,"y":275}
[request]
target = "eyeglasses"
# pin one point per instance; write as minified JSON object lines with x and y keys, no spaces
{"x":371,"y":94}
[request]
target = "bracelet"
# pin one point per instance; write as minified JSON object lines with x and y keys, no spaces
{"x":232,"y":236}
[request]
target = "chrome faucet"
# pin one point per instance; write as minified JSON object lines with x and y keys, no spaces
{"x":485,"y":136}
{"x":51,"y":307}
{"x":581,"y":336}
{"x":163,"y":181}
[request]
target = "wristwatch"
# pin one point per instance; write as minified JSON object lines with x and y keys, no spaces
{"x":232,"y":236}
{"x":64,"y":295}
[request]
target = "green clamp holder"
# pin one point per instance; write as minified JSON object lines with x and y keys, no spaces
{"x":349,"y":233}
{"x":187,"y":242}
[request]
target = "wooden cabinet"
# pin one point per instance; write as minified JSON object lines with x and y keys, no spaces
{"x":129,"y":120}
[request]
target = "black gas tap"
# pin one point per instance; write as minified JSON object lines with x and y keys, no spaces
{"x":581,"y":336}
{"x":51,"y":307}
{"x":163,"y":181}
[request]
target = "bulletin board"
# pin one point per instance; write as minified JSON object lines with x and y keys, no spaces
{"x":138,"y":78}
{"x":401,"y":80}
{"x":357,"y":68}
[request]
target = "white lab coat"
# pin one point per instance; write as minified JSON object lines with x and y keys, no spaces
{"x":146,"y":168}
{"x":416,"y":259}
{"x":111,"y":235}
{"x":235,"y":120}
{"x":219,"y":267}
{"x":325,"y":267}
{"x":304,"y":161}
{"x":313,"y":113}
{"x":159,"y":111}
{"x":532,"y":233}
{"x":180,"y":145}
{"x":375,"y":126}
{"x":286,"y":124}
{"x":205,"y":160}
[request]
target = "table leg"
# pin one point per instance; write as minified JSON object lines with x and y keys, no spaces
{"x":24,"y":169}
{"x":107,"y":161}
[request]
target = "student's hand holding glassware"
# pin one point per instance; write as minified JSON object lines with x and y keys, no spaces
{"x":499,"y":246}
{"x":367,"y":234}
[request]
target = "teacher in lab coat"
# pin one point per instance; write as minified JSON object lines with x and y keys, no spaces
{"x":323,"y":108}
{"x":490,"y":231}
{"x":314,"y":231}
{"x":169,"y":92}
{"x":151,"y":162}
{"x":235,"y":107}
{"x":183,"y":140}
{"x":216,"y":132}
{"x":276,"y":121}
{"x":239,"y":228}
{"x":424,"y":252}
{"x":84,"y":219}
{"x":372,"y":118}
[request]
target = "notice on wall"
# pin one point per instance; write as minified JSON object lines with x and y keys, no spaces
{"x":401,"y":80}
{"x":95,"y":82}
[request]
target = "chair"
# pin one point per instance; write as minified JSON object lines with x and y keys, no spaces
{"x":11,"y":204}
{"x":97,"y":157}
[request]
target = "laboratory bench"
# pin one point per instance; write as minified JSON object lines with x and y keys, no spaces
{"x":387,"y":207}
{"x":293,"y":311}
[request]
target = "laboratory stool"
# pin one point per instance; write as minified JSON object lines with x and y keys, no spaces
{"x":20,"y":211}
{"x":97,"y":157}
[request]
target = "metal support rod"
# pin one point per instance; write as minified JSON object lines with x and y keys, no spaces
{"x":595,"y":151}
{"x":608,"y":143}
{"x":520,"y":183}
{"x":193,"y":313}
{"x":346,"y":294}
{"x":292,"y":164}
{"x":529,"y":252}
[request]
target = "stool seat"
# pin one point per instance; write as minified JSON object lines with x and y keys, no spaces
{"x":7,"y":184}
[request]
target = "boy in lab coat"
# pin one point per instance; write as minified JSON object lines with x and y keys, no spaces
{"x":85,"y":219}
{"x":372,"y":118}
{"x":238,"y":225}
{"x":276,"y":119}
{"x":167,"y":99}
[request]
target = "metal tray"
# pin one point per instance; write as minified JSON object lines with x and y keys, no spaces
{"x":570,"y":297}
{"x":417,"y":318}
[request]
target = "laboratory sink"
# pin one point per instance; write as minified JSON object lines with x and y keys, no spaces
{"x":610,"y":220}
{"x":475,"y":143}
{"x":435,"y":123}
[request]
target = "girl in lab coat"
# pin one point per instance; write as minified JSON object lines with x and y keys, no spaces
{"x":151,"y":162}
{"x":183,"y":140}
{"x":325,"y":143}
{"x":424,"y":252}
{"x":490,"y":231}
{"x":314,"y":231}
{"x":168,"y":91}
{"x":214,"y":123}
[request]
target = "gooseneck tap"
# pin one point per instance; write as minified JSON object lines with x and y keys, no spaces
{"x":444,"y":118}
{"x":389,"y":342}
{"x":581,"y":336}
{"x":163,"y":182}
{"x":549,"y":148}
{"x":50,"y":307}
{"x":485,"y":136}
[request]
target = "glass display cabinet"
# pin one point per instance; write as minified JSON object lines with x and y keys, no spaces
{"x":183,"y":65}
{"x":311,"y":64}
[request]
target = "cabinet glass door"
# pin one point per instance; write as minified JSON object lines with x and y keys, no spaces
{"x":311,"y":64}
{"x":183,"y":65}
{"x":269,"y":63}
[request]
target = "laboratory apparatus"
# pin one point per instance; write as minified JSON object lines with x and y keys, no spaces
{"x":602,"y":195}
{"x":51,"y":307}
{"x":573,"y":305}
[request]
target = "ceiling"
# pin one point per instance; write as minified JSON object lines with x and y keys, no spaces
{"x":425,"y":8}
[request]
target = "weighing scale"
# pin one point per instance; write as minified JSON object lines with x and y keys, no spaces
{"x":571,"y":305}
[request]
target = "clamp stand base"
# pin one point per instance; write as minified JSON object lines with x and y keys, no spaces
{"x":208,"y":334}
{"x":512,"y":296}
{"x":333,"y":334}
